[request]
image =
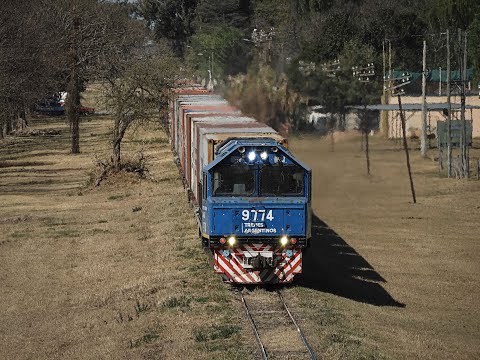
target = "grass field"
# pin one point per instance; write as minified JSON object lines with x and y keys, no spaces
{"x":118,"y":272}
{"x":404,"y":277}
{"x":110,"y":272}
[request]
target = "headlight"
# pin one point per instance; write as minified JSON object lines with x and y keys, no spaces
{"x":251,"y":155}
{"x":264,"y":155}
{"x":284,"y":240}
{"x":232,"y":240}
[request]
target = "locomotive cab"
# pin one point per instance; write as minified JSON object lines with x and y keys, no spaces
{"x":255,"y":211}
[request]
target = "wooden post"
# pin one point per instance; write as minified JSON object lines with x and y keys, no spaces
{"x":440,"y":159}
{"x":478,"y":169}
{"x":405,"y":146}
{"x":367,"y":154}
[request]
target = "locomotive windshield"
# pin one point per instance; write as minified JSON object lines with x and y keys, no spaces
{"x":242,"y":180}
{"x":281,"y":180}
{"x":238,"y":180}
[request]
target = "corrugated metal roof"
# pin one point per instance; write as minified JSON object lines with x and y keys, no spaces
{"x":233,"y":130}
{"x":221,"y":137}
{"x":232,"y":117}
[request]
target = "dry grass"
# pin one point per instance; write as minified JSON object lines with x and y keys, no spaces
{"x":92,"y":273}
{"x":385,"y":278}
{"x":111,"y":272}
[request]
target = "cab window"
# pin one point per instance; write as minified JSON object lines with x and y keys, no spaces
{"x":282,"y":180}
{"x":238,"y":180}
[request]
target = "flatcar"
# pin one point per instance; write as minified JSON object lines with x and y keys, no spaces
{"x":252,"y":197}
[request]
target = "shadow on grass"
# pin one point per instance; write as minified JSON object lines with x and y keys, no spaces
{"x":331,"y":265}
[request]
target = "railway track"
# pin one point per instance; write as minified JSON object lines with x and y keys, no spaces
{"x":276,"y":330}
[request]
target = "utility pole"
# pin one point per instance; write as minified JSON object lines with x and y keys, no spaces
{"x":405,"y":146}
{"x":390,"y":72}
{"x":440,"y":82}
{"x":364,"y":75}
{"x":405,"y":79}
{"x":449,"y":111}
{"x":384,"y":113}
{"x":423,"y":145}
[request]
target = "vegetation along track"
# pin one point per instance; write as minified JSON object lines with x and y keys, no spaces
{"x":276,"y":330}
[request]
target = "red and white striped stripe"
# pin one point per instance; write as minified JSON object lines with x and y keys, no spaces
{"x":232,"y":265}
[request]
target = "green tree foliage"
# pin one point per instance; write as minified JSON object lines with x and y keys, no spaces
{"x":455,"y":14}
{"x":170,"y":19}
{"x":458,"y":14}
{"x":474,"y":47}
{"x":228,"y":13}
{"x":220,"y":49}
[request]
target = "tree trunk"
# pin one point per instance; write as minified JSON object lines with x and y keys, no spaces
{"x":367,"y":152}
{"x":118,"y":134}
{"x":73,"y":98}
{"x":72,"y":104}
{"x":116,"y":153}
{"x":8,"y":128}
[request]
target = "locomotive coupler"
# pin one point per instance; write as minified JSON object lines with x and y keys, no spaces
{"x":261,"y":262}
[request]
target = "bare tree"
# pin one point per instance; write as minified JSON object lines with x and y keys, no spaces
{"x":25,"y":71}
{"x":138,"y":90}
{"x":86,"y":33}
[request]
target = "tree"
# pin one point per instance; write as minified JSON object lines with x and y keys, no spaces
{"x":137,"y":90}
{"x":228,"y":13}
{"x":84,"y":34}
{"x":25,"y":72}
{"x":171,"y":20}
{"x":220,"y":50}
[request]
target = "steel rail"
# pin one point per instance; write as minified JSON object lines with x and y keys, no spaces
{"x":290,"y":315}
{"x":254,"y":326}
{"x":300,"y":332}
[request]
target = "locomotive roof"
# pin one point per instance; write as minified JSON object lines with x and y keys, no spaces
{"x":234,"y":144}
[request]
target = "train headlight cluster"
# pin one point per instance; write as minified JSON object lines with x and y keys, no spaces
{"x":285,"y":240}
{"x":254,"y":155}
{"x":232,"y":240}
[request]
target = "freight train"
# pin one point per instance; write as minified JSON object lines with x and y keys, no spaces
{"x":252,"y":197}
